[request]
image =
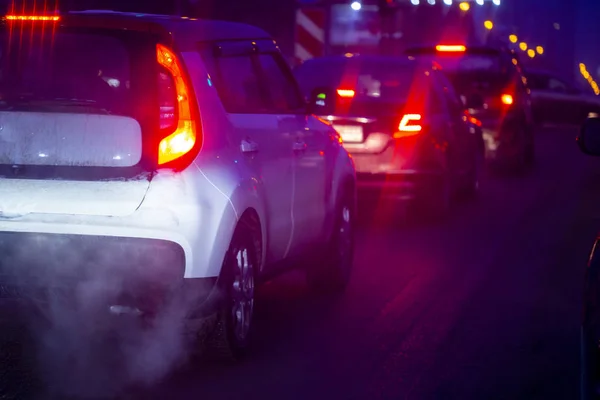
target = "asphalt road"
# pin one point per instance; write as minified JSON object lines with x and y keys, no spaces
{"x":485,"y":305}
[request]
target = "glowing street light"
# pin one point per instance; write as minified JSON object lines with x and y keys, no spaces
{"x":540,"y":50}
{"x":356,"y":6}
{"x":513,"y":38}
{"x":489,"y":25}
{"x":464,"y":6}
{"x":523,"y":46}
{"x":531,"y":53}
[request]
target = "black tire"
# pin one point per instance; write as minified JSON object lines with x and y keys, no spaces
{"x":470,"y":189}
{"x":331,"y":271}
{"x":590,"y":358}
{"x":230,"y":338}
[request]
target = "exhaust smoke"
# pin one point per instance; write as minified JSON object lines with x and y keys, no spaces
{"x":87,"y":341}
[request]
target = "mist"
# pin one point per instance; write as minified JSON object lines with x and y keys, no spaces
{"x":76,"y":347}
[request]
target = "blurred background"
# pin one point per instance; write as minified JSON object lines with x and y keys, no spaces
{"x":552,"y":34}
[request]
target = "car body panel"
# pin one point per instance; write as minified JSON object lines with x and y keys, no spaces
{"x":196,"y":209}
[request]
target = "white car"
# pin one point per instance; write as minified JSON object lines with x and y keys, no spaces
{"x":157,"y":161}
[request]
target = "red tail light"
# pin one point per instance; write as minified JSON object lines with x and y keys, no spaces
{"x":475,"y":121}
{"x":176,"y":109}
{"x":409,"y":125}
{"x":451,"y":48}
{"x":507,"y":99}
{"x":53,"y":18}
{"x":346,"y":93}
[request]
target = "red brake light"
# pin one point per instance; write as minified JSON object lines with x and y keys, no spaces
{"x":475,"y":121}
{"x":183,"y":139}
{"x":507,"y":99}
{"x":409,"y":125}
{"x":346,"y":92}
{"x":32,"y":18}
{"x":453,"y":48}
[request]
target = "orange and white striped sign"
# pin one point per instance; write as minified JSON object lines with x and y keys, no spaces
{"x":310,"y":33}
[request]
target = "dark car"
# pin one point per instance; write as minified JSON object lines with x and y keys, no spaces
{"x":406,"y":128}
{"x":556,"y":101}
{"x":494,"y":88}
{"x":589,"y":143}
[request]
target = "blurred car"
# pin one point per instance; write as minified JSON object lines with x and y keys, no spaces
{"x":589,"y":143}
{"x":405,"y":127}
{"x":158,"y":164}
{"x":556,"y":101}
{"x":492,"y":85}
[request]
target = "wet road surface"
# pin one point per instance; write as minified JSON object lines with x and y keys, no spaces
{"x":485,"y":305}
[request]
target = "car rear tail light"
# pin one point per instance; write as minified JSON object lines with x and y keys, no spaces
{"x":52,"y":18}
{"x":507,"y":99}
{"x":175,"y":109}
{"x":452,"y":48}
{"x":409,"y":125}
{"x":346,"y":93}
{"x":475,"y":121}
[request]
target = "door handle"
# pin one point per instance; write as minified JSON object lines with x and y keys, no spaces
{"x":248,"y":146}
{"x":299,"y":146}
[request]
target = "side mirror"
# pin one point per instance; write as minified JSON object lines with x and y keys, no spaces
{"x":321,"y":101}
{"x":474,"y":101}
{"x":589,"y":137}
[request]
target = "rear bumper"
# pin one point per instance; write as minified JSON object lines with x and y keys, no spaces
{"x":401,"y":186}
{"x":107,"y":274}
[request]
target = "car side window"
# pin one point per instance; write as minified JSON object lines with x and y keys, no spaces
{"x":282,"y":90}
{"x":557,"y":85}
{"x":238,"y":84}
{"x":453,"y":100}
{"x":437,"y":102}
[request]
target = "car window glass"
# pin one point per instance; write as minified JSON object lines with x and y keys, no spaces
{"x":281,"y":87}
{"x":238,"y":84}
{"x":455,"y":104}
{"x":556,"y":85}
{"x":437,"y":102}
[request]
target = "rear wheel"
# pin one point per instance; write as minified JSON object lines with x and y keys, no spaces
{"x":332,"y":271}
{"x":232,"y":332}
{"x":471,"y":185}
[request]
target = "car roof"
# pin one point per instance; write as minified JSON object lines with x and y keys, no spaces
{"x":187,"y":31}
{"x":368,"y":58}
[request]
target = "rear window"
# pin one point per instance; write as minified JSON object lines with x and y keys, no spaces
{"x":368,"y":78}
{"x":487,"y":71}
{"x":91,"y":71}
{"x":379,"y":85}
{"x":467,"y":63}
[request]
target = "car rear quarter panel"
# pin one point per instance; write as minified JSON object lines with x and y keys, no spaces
{"x":340,"y":169}
{"x":221,"y":168}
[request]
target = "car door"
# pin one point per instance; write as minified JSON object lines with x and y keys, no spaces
{"x":461,"y":140}
{"x":264,"y":148}
{"x":307,"y":148}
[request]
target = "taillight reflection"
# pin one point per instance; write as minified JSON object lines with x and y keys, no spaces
{"x":409,"y":125}
{"x":507,"y":99}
